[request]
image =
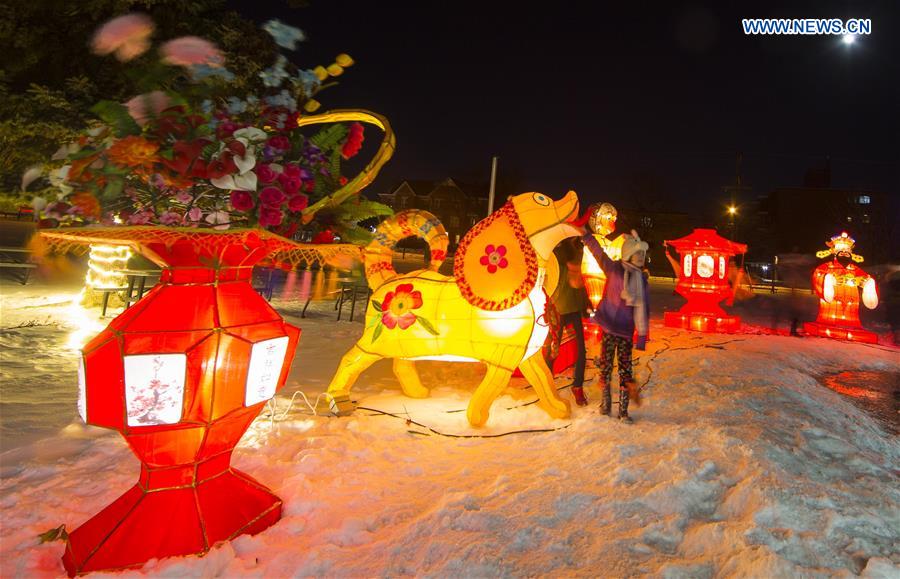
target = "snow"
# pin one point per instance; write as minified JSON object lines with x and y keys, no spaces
{"x":739,"y":463}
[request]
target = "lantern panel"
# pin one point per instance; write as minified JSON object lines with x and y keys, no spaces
{"x":706,"y":267}
{"x":193,"y":306}
{"x":104,"y":383}
{"x":163,"y":447}
{"x":238,"y":306}
{"x":266,"y":361}
{"x":870,"y":294}
{"x":222,"y":523}
{"x":688,"y":265}
{"x":82,"y":393}
{"x":721,"y":267}
{"x":154,"y":388}
{"x":224,"y":433}
{"x":230,"y":366}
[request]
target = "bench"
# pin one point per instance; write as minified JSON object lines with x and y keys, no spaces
{"x":16,"y":258}
{"x":350,"y":290}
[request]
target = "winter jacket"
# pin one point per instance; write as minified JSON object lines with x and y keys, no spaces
{"x":568,"y":298}
{"x":613,"y":315}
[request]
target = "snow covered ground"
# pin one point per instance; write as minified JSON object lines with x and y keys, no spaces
{"x":739,"y":464}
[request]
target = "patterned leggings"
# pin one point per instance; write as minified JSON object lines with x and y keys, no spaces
{"x":608,"y":348}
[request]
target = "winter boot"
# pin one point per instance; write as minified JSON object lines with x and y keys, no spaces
{"x":634,"y":392}
{"x":606,"y":401}
{"x":578,"y":392}
{"x":623,"y":404}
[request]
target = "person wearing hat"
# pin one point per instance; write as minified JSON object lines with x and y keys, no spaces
{"x":624,"y":308}
{"x":570,"y":299}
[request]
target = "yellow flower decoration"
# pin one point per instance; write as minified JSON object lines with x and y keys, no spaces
{"x":335,"y":69}
{"x":320,"y":72}
{"x":344,"y":60}
{"x":312,"y":105}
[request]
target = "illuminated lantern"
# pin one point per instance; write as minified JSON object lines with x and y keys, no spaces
{"x":704,"y":278}
{"x":105,"y":263}
{"x":839,"y":284}
{"x":181,"y":375}
{"x":492,"y":310}
{"x":602,"y":222}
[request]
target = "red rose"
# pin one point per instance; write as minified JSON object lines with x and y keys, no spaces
{"x":272,"y":196}
{"x":265,"y":173}
{"x":290,"y":184}
{"x":241,"y":200}
{"x":298,"y":202}
{"x":292,"y":171}
{"x":225,"y":129}
{"x":280,"y":142}
{"x":269,"y":216}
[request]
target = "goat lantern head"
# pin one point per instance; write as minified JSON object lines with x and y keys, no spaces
{"x":490,"y":311}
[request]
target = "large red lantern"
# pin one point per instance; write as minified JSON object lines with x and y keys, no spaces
{"x":703,"y":281}
{"x":838,"y":284}
{"x":182,"y":374}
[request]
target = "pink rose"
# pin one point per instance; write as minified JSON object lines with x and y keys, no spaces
{"x":298,"y":203}
{"x":184,"y":197}
{"x":272,"y":196}
{"x":145,"y":106}
{"x":265,"y":173}
{"x":269,"y":216}
{"x":191,"y":50}
{"x":280,"y":142}
{"x":241,"y":200}
{"x":290,"y":184}
{"x":170,"y":218}
{"x":195,"y":214}
{"x":127,"y":36}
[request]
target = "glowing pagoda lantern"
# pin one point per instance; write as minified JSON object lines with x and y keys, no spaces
{"x":602,"y":222}
{"x":840,"y":285}
{"x":181,"y":375}
{"x":704,"y":278}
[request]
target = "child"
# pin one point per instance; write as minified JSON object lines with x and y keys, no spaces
{"x":571,"y":300}
{"x":625,"y":305}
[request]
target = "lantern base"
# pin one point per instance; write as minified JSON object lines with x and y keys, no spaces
{"x":703,"y":322}
{"x":839,"y":333}
{"x":189,"y":520}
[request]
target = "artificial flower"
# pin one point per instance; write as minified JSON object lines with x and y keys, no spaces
{"x":265,"y":173}
{"x":219,"y":219}
{"x":298,"y":202}
{"x":270,"y":216}
{"x":241,"y":201}
{"x":272,"y":196}
{"x":284,"y":35}
{"x":146,"y":106}
{"x":126,"y":37}
{"x":353,"y":144}
{"x":398,"y":305}
{"x":133,"y":151}
{"x":191,"y":51}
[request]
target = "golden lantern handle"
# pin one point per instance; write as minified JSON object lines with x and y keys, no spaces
{"x":358,"y":183}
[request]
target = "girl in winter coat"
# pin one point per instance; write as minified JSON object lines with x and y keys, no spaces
{"x":625,"y":307}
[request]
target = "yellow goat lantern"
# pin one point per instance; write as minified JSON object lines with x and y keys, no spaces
{"x":491,"y":310}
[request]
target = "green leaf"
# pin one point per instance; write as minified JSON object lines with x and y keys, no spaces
{"x":335,"y":167}
{"x":116,"y":115}
{"x":329,"y":138}
{"x":57,"y":534}
{"x":113,"y":188}
{"x":427,"y":325}
{"x":376,"y":305}
{"x":377,"y":332}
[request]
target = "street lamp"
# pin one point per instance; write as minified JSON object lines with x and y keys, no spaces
{"x":732,"y":212}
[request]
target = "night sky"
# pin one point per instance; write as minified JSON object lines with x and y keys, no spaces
{"x":617,"y":100}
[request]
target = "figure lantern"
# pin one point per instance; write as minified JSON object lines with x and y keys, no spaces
{"x":492,"y":310}
{"x":602,"y":222}
{"x":705,"y":257}
{"x":182,"y":374}
{"x":838,"y":283}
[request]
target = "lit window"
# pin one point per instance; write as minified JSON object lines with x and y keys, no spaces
{"x":154,"y":388}
{"x":863,"y":199}
{"x":688,"y":263}
{"x":266,"y":360}
{"x":849,"y":219}
{"x":706,"y":267}
{"x":865,"y":218}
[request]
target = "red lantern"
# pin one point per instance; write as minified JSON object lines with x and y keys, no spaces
{"x":182,"y":374}
{"x":838,"y":286}
{"x":704,"y":276}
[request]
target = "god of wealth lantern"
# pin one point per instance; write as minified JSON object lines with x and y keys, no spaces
{"x":838,"y":283}
{"x":181,"y":375}
{"x":603,"y":223}
{"x":704,"y":281}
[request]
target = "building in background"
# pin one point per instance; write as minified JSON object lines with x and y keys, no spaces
{"x":458,"y":206}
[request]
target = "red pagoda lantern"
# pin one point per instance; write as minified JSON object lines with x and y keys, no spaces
{"x":838,"y":284}
{"x":703,"y":281}
{"x":181,"y":375}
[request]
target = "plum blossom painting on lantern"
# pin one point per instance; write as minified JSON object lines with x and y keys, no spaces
{"x":154,"y":388}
